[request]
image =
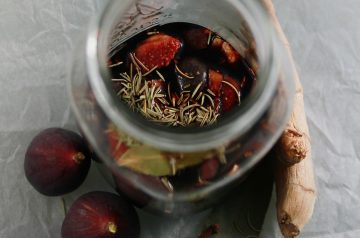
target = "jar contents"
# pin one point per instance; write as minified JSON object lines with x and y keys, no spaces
{"x":180,"y":74}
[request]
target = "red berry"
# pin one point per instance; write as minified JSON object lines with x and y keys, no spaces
{"x":209,"y":169}
{"x":215,"y":82}
{"x":101,"y":215}
{"x":157,"y":50}
{"x":230,"y":96}
{"x":56,"y":162}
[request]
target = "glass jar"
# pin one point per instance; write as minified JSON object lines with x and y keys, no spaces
{"x":241,"y":139}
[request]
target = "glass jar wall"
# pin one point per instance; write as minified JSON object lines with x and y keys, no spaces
{"x":237,"y":141}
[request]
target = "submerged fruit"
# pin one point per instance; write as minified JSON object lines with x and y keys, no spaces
{"x":56,"y":162}
{"x":215,"y":80}
{"x":157,"y":50}
{"x":209,"y":169}
{"x":101,"y":215}
{"x":230,"y":54}
{"x":191,"y":75}
{"x":178,"y":74}
{"x":231,"y":93}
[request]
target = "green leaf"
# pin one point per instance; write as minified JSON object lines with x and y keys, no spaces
{"x":150,"y":161}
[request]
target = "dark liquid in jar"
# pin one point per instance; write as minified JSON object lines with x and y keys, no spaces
{"x":181,"y":74}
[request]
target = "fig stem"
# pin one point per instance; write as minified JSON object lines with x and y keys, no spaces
{"x":64,"y":205}
{"x":79,"y":157}
{"x":112,"y":227}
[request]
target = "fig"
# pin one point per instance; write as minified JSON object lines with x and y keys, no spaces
{"x":190,"y":73}
{"x":157,"y":51}
{"x":101,"y":215}
{"x":56,"y":161}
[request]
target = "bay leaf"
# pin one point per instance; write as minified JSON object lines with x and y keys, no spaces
{"x":150,"y":161}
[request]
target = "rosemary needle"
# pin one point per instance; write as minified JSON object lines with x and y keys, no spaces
{"x":116,"y":64}
{"x":233,"y":87}
{"x":182,"y":73}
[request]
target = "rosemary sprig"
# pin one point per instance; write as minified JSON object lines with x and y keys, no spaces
{"x":209,"y":38}
{"x":190,"y":107}
{"x":150,"y":71}
{"x":210,"y":99}
{"x":165,"y":181}
{"x":182,"y":73}
{"x":118,"y":80}
{"x":196,"y":90}
{"x":160,"y":75}
{"x":138,"y":61}
{"x":133,"y":62}
{"x":235,"y":89}
{"x":116,"y":64}
{"x":211,"y":92}
{"x":152,"y":33}
{"x":172,"y":162}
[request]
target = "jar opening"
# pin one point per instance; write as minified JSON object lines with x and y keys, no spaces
{"x":252,"y":24}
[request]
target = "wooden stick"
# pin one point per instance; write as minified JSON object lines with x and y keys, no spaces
{"x":294,"y":176}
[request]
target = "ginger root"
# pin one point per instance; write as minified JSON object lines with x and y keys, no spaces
{"x":294,"y":176}
{"x":296,"y":195}
{"x":294,"y":144}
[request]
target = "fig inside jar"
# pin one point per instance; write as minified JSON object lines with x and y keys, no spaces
{"x":177,"y":75}
{"x":180,"y":74}
{"x":180,"y":99}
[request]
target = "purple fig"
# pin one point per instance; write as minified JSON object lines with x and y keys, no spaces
{"x":101,"y":215}
{"x":56,"y":161}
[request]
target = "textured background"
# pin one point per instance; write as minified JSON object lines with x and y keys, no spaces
{"x":36,"y":37}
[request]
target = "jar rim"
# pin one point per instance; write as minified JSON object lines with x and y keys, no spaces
{"x":212,"y":137}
